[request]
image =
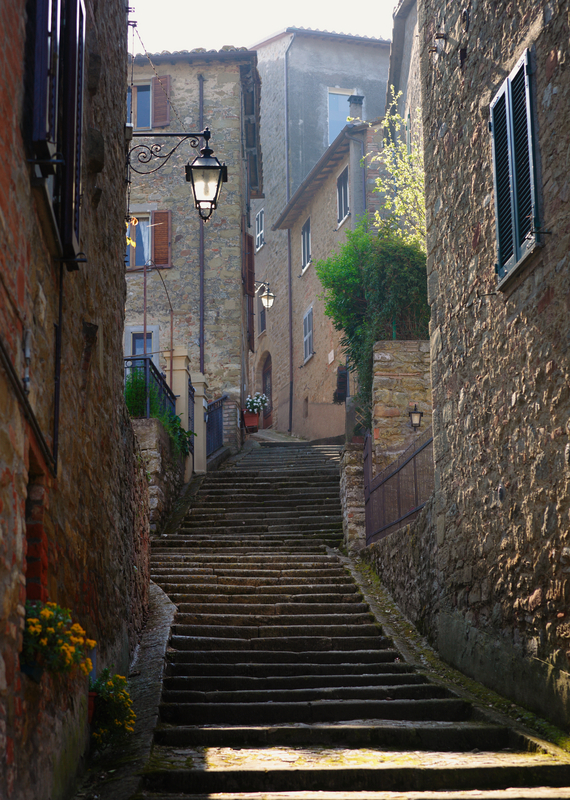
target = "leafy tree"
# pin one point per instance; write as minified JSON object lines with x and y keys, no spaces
{"x":375,"y":288}
{"x":401,"y":179}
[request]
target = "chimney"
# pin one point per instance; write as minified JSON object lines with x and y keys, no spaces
{"x":355,"y":106}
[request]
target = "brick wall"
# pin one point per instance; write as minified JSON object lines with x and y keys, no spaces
{"x":80,"y":537}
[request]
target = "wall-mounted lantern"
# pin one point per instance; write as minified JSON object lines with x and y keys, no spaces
{"x":415,"y":417}
{"x":267,"y":297}
{"x":205,"y":174}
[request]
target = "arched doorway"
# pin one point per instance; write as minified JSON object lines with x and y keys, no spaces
{"x":267,"y":384}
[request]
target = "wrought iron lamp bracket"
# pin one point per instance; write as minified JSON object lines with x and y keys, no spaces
{"x":144,"y":153}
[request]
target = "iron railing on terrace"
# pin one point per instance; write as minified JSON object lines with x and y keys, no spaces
{"x":146,"y":390}
{"x":215,"y":425}
{"x":191,"y":392}
{"x":397,"y":494}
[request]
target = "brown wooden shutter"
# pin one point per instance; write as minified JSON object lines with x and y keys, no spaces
{"x":250,"y":324}
{"x":161,"y":238}
{"x":250,"y":274}
{"x":160,"y":104}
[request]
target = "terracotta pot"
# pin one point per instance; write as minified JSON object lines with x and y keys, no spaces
{"x":91,"y":706}
{"x":250,"y":419}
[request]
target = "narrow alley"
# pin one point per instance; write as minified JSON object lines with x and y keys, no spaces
{"x":280,"y":678}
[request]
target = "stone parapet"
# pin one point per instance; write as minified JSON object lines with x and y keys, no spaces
{"x":352,"y":497}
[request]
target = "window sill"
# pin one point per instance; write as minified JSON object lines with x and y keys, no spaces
{"x":306,"y":361}
{"x":506,"y":283}
{"x":257,"y":249}
{"x":47,"y":216}
{"x":306,"y":267}
{"x":262,"y":333}
{"x":342,"y":221}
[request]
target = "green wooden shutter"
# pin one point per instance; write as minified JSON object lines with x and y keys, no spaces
{"x":504,"y":217}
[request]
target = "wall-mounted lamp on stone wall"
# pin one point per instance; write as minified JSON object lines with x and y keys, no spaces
{"x":415,"y":417}
{"x":205,"y":174}
{"x":267,"y":297}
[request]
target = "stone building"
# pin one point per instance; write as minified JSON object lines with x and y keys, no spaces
{"x":490,"y":582}
{"x":199,"y":276}
{"x":307,"y":78}
{"x":73,"y":499}
{"x":336,"y":193}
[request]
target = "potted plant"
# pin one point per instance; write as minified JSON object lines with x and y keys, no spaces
{"x":253,"y":405}
{"x":53,"y":642}
{"x":113,"y":716}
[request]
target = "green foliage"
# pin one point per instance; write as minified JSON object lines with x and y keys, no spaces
{"x":375,"y":288}
{"x":113,"y":717}
{"x":136,"y":397}
{"x":401,"y":179}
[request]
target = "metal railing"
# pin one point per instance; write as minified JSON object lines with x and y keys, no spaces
{"x":398,"y":493}
{"x":191,"y":392}
{"x":146,"y":390}
{"x":215,"y":425}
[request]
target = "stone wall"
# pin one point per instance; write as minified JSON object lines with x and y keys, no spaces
{"x":75,"y":531}
{"x":352,"y":497}
{"x":500,"y":367}
{"x":401,"y":381}
{"x":164,"y":468}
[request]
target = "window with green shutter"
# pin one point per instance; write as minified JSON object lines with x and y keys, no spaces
{"x":516,"y":208}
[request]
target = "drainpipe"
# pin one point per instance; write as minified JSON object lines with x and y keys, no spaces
{"x":289,"y":264}
{"x":201,"y":255}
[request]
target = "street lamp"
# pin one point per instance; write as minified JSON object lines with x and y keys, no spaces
{"x":205,"y":174}
{"x":415,"y":417}
{"x":267,"y":297}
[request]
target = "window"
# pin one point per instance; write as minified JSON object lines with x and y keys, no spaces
{"x":259,"y":229}
{"x":149,"y":240}
{"x":134,"y":342}
{"x":516,"y":211}
{"x":148,"y":103}
{"x":306,"y":244}
{"x":338,"y":111}
{"x":342,"y":195}
{"x":57,"y":62}
{"x":308,"y":335}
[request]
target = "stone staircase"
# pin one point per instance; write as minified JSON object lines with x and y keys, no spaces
{"x":280,"y":681}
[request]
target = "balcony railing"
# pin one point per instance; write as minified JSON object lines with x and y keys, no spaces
{"x":398,"y":493}
{"x":146,"y":390}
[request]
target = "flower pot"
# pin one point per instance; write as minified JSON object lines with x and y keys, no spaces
{"x":250,"y":420}
{"x":91,"y":706}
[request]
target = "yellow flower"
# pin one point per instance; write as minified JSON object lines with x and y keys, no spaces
{"x":33,"y":621}
{"x":43,"y":642}
{"x":110,"y":684}
{"x":77,"y":629}
{"x":59,"y":625}
{"x":50,"y":630}
{"x":51,"y":605}
{"x":46,"y":613}
{"x":90,"y":644}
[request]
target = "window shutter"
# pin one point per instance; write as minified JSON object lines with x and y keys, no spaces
{"x":46,"y":80}
{"x":522,"y":133}
{"x":161,"y":238}
{"x":250,"y":275}
{"x":72,"y":98}
{"x":502,"y":176}
{"x":250,"y":324}
{"x":160,"y":104}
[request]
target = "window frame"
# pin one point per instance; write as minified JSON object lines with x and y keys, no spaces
{"x":346,"y":93}
{"x":259,"y":229}
{"x":342,"y":196}
{"x":308,"y":327}
{"x":159,"y":104}
{"x":515,"y":186}
{"x":154,"y":331}
{"x":306,"y":245}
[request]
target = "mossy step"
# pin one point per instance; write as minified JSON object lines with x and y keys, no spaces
{"x":274,"y":610}
{"x":206,"y":683}
{"x":232,"y":618}
{"x":388,"y":669}
{"x":288,"y":657}
{"x":280,"y":642}
{"x":275,"y":630}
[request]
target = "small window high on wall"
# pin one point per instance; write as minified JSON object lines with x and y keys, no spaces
{"x":148,"y":103}
{"x":338,"y":111}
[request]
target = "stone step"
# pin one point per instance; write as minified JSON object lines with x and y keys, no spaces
{"x":522,"y":793}
{"x":412,"y":735}
{"x":215,"y":683}
{"x":277,"y":643}
{"x":295,"y":594}
{"x":407,"y":691}
{"x":292,"y":670}
{"x":330,"y":575}
{"x":271,"y":611}
{"x":266,"y":585}
{"x":276,"y":630}
{"x":448,"y":708}
{"x":288,"y":657}
{"x":249,"y":618}
{"x":170,"y":559}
